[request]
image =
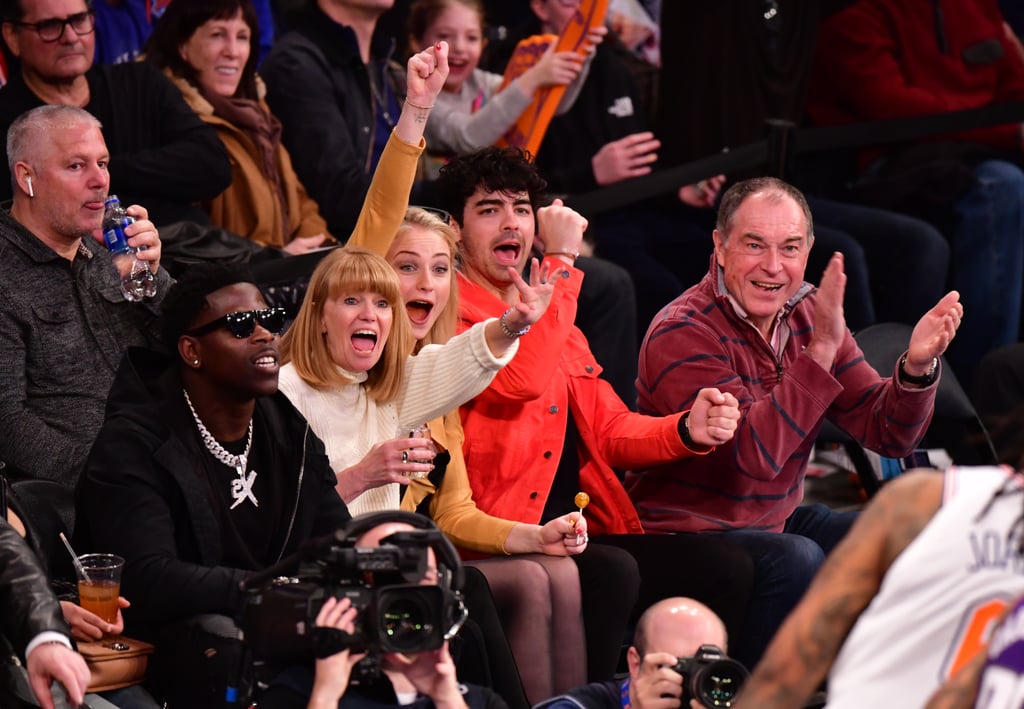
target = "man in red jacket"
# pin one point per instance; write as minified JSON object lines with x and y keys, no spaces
{"x":548,"y":426}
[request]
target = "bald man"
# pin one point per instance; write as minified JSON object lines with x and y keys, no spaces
{"x":667,"y":631}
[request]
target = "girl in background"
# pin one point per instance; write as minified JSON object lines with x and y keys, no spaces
{"x":473,"y":111}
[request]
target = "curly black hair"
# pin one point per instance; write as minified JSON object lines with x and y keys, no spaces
{"x":494,"y":169}
{"x":186,"y":299}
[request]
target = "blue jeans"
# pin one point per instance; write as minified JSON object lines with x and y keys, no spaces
{"x":784,"y":565}
{"x":988,"y":260}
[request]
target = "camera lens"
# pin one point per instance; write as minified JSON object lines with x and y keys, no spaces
{"x":408,"y":621}
{"x":718,"y":683}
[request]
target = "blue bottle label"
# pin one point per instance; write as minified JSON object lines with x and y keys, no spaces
{"x":114,"y":236}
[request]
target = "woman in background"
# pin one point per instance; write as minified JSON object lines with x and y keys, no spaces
{"x":209,"y":49}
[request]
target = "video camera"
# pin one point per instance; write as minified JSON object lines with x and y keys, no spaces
{"x":711,"y":677}
{"x":396,"y":612}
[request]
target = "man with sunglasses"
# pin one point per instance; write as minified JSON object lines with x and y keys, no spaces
{"x":63,"y":321}
{"x":162,"y":154}
{"x":201,"y":474}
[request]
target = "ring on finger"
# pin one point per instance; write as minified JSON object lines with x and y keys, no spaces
{"x":405,"y":456}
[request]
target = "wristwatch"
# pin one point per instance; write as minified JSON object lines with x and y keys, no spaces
{"x":923,"y":380}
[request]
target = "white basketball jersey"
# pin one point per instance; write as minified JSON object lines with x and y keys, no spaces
{"x":940,"y":599}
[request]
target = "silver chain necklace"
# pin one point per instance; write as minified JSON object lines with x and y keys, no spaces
{"x":241,"y":488}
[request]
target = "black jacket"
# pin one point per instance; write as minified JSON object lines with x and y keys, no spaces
{"x":609,"y":106}
{"x":144,"y":495}
{"x":27,"y":605}
{"x":319,"y":88}
{"x":162,"y":155}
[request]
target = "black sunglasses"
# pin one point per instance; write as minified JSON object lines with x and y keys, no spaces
{"x":243,"y":323}
{"x":52,"y":29}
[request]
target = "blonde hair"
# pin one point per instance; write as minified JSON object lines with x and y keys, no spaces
{"x":445,"y":326}
{"x":348,"y":270}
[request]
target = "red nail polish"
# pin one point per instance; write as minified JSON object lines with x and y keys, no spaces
{"x":437,"y":46}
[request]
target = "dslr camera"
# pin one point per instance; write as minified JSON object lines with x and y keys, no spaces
{"x":396,"y":611}
{"x":711,"y":677}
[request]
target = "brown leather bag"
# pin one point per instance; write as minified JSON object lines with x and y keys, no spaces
{"x":115,"y":662}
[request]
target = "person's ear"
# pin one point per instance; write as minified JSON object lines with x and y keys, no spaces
{"x":23,"y":177}
{"x":633,"y":661}
{"x":10,"y":33}
{"x":540,"y":9}
{"x":716,"y":236}
{"x":188,"y":350}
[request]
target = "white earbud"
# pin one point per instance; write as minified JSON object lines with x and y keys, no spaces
{"x":28,"y":181}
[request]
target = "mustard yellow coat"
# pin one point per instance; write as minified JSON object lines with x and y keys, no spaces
{"x":249,"y":206}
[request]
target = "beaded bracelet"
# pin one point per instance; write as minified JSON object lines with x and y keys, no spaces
{"x":509,"y":332}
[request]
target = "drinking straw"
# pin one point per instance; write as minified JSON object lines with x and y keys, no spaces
{"x":74,"y":559}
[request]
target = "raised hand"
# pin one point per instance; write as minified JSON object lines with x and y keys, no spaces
{"x":534,"y":297}
{"x":627,"y":157}
{"x":559,"y":228}
{"x":426,"y":73}
{"x":933,"y":333}
{"x":714,"y":417}
{"x":829,"y":318}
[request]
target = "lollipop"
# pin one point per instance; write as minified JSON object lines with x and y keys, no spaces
{"x":582,"y":499}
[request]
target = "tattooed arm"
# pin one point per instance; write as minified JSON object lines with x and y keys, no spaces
{"x":960,"y":690}
{"x":803,"y":650}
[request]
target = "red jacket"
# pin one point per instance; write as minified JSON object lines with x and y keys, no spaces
{"x":880,"y":59}
{"x":515,"y":428}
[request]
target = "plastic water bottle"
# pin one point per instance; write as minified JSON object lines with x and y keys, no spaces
{"x":137,"y":281}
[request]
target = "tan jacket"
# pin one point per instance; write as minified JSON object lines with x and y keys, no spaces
{"x":249,"y":206}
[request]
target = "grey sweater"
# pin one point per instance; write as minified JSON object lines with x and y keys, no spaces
{"x":64,"y":326}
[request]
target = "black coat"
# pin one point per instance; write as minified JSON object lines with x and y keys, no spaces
{"x":144,"y":495}
{"x":319,"y":88}
{"x":27,"y":605}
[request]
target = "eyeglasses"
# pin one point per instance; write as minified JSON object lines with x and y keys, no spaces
{"x":439,"y":213}
{"x":52,"y":29}
{"x":243,"y":323}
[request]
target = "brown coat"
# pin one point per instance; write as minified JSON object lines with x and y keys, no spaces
{"x":249,"y":206}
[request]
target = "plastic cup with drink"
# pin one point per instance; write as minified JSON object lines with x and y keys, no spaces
{"x":99,"y":584}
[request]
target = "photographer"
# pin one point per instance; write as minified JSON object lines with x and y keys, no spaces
{"x":668,"y":634}
{"x":422,"y":680}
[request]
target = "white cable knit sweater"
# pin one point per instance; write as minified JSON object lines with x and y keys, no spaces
{"x":437,"y":380}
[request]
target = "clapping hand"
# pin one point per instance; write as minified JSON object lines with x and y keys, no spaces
{"x":829,"y":317}
{"x":933,"y":333}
